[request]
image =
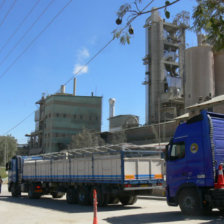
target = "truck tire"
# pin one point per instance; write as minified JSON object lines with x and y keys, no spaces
{"x":189,"y":202}
{"x":84,"y":196}
{"x":71,"y":196}
{"x":102,"y":197}
{"x":15,"y":190}
{"x":114,"y":200}
{"x":128,"y":199}
{"x":57,"y":194}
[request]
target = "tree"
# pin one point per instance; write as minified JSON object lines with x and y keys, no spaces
{"x":86,"y":138}
{"x":8,"y":147}
{"x":208,"y":18}
{"x":133,"y":11}
{"x":116,"y":137}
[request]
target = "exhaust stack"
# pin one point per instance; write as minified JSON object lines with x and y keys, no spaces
{"x":74,"y":87}
{"x":112,"y":107}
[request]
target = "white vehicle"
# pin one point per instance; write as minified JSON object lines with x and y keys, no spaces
{"x":116,"y":175}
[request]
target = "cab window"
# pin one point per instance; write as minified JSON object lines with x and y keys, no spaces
{"x":177,"y":151}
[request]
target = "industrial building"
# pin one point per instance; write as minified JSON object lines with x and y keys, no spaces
{"x":179,"y":82}
{"x":62,"y":115}
{"x":164,"y":61}
{"x":120,"y":122}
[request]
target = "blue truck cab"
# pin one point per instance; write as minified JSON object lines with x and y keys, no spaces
{"x":192,"y":160}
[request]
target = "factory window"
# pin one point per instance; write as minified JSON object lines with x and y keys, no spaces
{"x":49,"y":115}
{"x":64,"y":115}
{"x":57,"y":114}
{"x":81,"y":117}
{"x":74,"y":116}
{"x":96,"y":118}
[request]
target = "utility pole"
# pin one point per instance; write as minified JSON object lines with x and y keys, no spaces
{"x":5,"y":153}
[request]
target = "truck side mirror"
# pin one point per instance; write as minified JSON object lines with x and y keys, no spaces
{"x":166,"y":152}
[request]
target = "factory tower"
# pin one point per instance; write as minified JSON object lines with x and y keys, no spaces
{"x":164,"y":76}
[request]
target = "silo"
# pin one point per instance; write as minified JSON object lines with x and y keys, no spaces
{"x":199,"y":75}
{"x":219,"y":72}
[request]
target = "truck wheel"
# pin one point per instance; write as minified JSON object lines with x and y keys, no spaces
{"x":71,"y":196}
{"x":15,"y":190}
{"x":57,"y":194}
{"x":114,"y":200}
{"x":189,"y":202}
{"x":128,"y":199}
{"x":83,"y":196}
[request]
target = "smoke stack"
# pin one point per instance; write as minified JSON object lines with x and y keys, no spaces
{"x":62,"y":88}
{"x":74,"y":87}
{"x":112,"y":107}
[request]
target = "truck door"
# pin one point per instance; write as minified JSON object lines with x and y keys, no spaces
{"x":176,"y":167}
{"x":195,"y":162}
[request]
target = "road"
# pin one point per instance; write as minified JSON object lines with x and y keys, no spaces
{"x":47,"y":210}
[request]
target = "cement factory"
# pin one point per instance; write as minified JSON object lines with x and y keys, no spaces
{"x":179,"y":82}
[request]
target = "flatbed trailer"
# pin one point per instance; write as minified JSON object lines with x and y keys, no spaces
{"x":116,"y":175}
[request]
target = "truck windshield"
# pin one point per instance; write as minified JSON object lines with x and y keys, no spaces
{"x":177,"y":151}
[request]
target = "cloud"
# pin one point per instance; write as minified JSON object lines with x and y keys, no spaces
{"x":80,"y":69}
{"x":83,"y":54}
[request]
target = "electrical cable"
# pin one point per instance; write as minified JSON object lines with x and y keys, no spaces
{"x":18,"y":123}
{"x":35,"y":38}
{"x":19,"y":26}
{"x":7,"y":13}
{"x":106,"y":45}
{"x":45,"y":28}
{"x":27,"y":31}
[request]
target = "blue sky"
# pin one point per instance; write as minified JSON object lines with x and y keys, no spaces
{"x":83,"y":28}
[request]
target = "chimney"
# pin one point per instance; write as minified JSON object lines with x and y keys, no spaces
{"x":112,"y":107}
{"x":74,"y":87}
{"x":63,"y":89}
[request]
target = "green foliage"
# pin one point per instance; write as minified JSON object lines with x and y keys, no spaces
{"x":116,"y":138}
{"x":132,"y":11}
{"x":8,"y":144}
{"x":86,"y":138}
{"x":3,"y":173}
{"x":167,"y":14}
{"x":208,"y":18}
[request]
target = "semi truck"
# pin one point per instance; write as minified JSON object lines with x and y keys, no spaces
{"x":117,"y":175}
{"x":194,"y":164}
{"x":194,"y":178}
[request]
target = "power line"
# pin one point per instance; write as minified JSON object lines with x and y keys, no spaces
{"x":76,"y":74}
{"x":19,"y":26}
{"x":18,"y":123}
{"x":90,"y":60}
{"x":27,"y":31}
{"x":7,"y":13}
{"x":32,"y":42}
{"x":59,"y":12}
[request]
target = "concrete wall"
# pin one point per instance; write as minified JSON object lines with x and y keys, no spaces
{"x":150,"y":133}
